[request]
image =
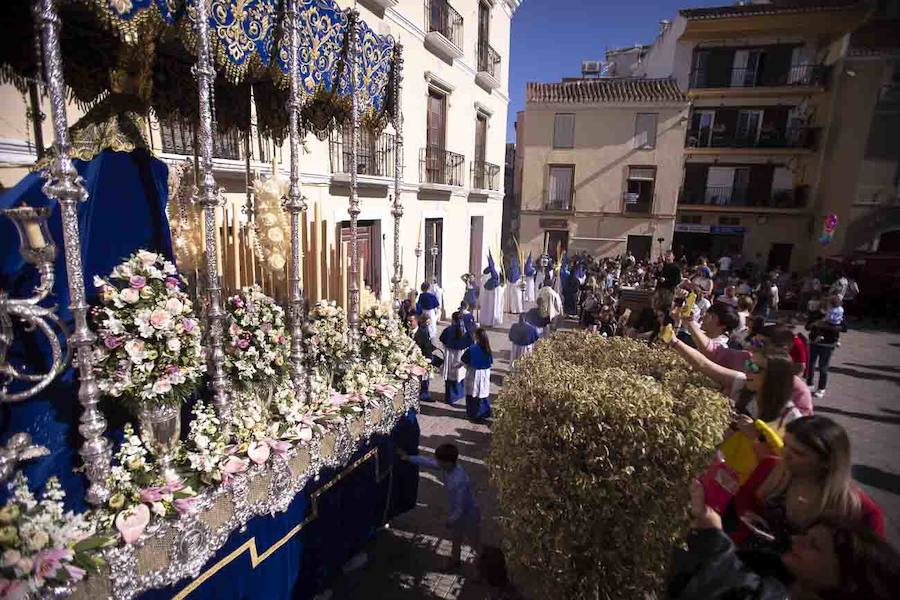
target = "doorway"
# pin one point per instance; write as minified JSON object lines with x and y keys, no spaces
{"x":557,"y":243}
{"x":640,"y":246}
{"x":780,"y":256}
{"x":368,"y":240}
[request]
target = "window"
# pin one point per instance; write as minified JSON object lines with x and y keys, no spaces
{"x":645,"y":131}
{"x":694,"y":219}
{"x":434,"y":238}
{"x":729,"y":220}
{"x":564,"y":131}
{"x":639,"y":190}
{"x":562,"y":178}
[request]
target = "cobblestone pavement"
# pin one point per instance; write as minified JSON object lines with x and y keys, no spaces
{"x":405,"y":560}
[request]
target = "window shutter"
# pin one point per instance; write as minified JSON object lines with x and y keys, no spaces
{"x":561,"y":186}
{"x":645,"y":130}
{"x":564,"y":131}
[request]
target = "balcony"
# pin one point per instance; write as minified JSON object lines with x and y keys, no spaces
{"x":638,"y":203}
{"x":485,"y":176}
{"x":488,"y":74}
{"x":791,"y":138}
{"x":443,"y":30}
{"x":441,"y":169}
{"x":177,"y":137}
{"x":795,"y":76}
{"x":558,"y":204}
{"x":736,"y":196}
{"x":375,"y":157}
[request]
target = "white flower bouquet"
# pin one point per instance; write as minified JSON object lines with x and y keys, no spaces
{"x":326,"y":350}
{"x":148,"y":343}
{"x":256,"y":343}
{"x":43,"y":547}
{"x":386,"y":350}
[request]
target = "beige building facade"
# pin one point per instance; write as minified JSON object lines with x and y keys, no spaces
{"x":454,"y":103}
{"x":598,"y":165}
{"x":773,"y":143}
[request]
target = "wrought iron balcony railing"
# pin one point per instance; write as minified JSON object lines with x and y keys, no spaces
{"x":634,"y":204}
{"x":485,"y":176}
{"x":443,"y":18}
{"x":375,"y":153}
{"x":800,"y":75}
{"x":441,"y":166}
{"x":177,"y":137}
{"x":488,"y":59}
{"x":743,"y":196}
{"x":792,"y":137}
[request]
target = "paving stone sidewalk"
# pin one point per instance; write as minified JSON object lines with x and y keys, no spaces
{"x":406,"y":559}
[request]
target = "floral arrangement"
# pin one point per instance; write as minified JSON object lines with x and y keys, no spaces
{"x":43,"y":546}
{"x":256,"y":347}
{"x":386,"y":349}
{"x":148,"y":344}
{"x":598,"y":458}
{"x":140,"y":490}
{"x":325,"y":344}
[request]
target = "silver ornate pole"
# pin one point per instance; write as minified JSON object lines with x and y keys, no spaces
{"x":397,"y":209}
{"x":353,"y":209}
{"x":210,"y":200}
{"x":65,"y":186}
{"x":294,"y":203}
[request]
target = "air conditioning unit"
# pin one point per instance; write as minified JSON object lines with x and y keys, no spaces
{"x":590,"y":67}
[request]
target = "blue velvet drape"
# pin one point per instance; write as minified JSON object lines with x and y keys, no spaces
{"x":347,"y":515}
{"x":125,"y":211}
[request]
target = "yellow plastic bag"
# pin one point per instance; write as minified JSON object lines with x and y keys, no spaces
{"x":741,"y":454}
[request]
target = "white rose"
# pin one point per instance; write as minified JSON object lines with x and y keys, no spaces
{"x":174,"y":306}
{"x":174,"y":345}
{"x":39,"y":540}
{"x":135,"y":350}
{"x":201,"y":441}
{"x":130,"y":295}
{"x":11,"y":557}
{"x":162,"y":386}
{"x":146,"y":257}
{"x":146,"y":292}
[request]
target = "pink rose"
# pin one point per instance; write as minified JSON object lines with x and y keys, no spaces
{"x":186,"y":505}
{"x":172,"y":283}
{"x":160,"y":318}
{"x":112,"y":342}
{"x":371,"y":331}
{"x":131,"y":523}
{"x":243,"y":343}
{"x":137,"y":282}
{"x":233,"y":465}
{"x":279,"y":447}
{"x":188,"y":325}
{"x":338,"y":399}
{"x":259,"y":452}
{"x":153,"y":494}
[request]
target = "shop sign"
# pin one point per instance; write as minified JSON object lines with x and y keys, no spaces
{"x":554,"y":224}
{"x":691,"y":228}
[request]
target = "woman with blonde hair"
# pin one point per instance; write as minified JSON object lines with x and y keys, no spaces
{"x":810,"y":480}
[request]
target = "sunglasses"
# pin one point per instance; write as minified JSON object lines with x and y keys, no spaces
{"x":752,"y":367}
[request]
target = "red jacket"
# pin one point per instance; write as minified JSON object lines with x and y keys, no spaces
{"x":746,"y":500}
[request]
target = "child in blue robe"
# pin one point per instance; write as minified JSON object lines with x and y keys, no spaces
{"x":455,"y":339}
{"x":429,"y":306}
{"x":478,"y":359}
{"x":522,"y":335}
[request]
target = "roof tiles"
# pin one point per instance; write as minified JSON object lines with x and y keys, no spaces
{"x":605,"y":89}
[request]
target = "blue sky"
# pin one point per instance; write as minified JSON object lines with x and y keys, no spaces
{"x":550,"y":38}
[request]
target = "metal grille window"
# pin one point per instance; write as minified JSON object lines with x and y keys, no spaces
{"x":645,"y":131}
{"x":564,"y":130}
{"x":559,"y":195}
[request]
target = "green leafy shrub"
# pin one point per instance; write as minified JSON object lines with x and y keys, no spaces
{"x":594,"y":445}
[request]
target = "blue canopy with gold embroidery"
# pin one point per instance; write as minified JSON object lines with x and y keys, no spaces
{"x":250,"y":49}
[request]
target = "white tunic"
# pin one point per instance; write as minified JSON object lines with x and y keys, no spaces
{"x":518,"y":351}
{"x":453,"y":368}
{"x":514,"y":300}
{"x":499,"y":305}
{"x":492,"y":305}
{"x":433,"y":316}
{"x":478,"y":383}
{"x":529,"y":289}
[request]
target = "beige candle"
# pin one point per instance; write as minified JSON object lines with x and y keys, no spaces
{"x":345,"y":267}
{"x":34,"y":236}
{"x":236,"y":248}
{"x":315,"y":256}
{"x":219,"y":243}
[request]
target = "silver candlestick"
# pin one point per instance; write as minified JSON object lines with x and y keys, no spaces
{"x":295,"y":204}
{"x":353,"y":209}
{"x":38,"y":249}
{"x":66,"y":187}
{"x":210,"y":200}
{"x":397,"y":209}
{"x":418,"y":252}
{"x":434,"y":251}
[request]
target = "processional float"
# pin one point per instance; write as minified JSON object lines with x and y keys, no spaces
{"x":160,"y":505}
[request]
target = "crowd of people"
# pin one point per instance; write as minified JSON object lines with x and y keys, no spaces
{"x":788,"y":521}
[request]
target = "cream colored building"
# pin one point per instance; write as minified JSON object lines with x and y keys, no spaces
{"x":454,"y":103}
{"x":598,"y":165}
{"x":768,"y":88}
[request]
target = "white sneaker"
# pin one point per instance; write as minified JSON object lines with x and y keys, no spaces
{"x":818,"y":393}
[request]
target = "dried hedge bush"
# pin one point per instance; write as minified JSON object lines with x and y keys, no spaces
{"x":594,"y":444}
